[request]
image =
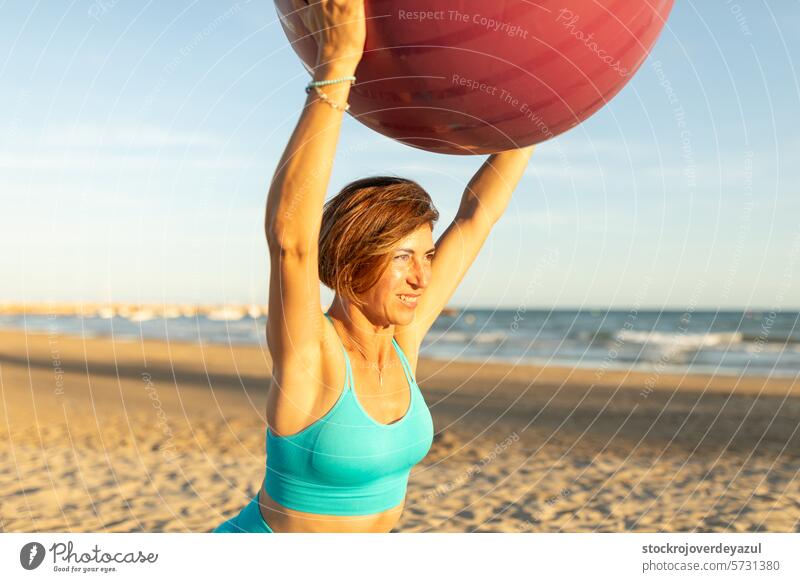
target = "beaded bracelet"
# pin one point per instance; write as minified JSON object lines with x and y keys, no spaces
{"x":314,"y":84}
{"x":327,"y":100}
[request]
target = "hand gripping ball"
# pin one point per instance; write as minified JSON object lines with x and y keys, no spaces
{"x":476,"y":77}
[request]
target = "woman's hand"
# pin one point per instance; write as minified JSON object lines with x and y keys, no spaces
{"x":339,"y":28}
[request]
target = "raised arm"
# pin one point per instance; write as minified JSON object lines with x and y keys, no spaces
{"x":483,"y":203}
{"x":297,"y":191}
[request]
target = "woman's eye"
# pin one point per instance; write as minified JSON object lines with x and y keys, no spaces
{"x":402,"y":257}
{"x":430,"y":257}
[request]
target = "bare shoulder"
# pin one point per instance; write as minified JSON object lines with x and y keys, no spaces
{"x":319,"y":360}
{"x":409,"y":340}
{"x":332,"y":349}
{"x":306,"y":383}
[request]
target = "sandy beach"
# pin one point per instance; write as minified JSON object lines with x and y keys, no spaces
{"x":125,"y":436}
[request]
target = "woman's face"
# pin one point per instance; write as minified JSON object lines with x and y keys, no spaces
{"x":393,"y":299}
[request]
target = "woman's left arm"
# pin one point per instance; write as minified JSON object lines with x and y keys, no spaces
{"x":483,"y":203}
{"x":488,"y":193}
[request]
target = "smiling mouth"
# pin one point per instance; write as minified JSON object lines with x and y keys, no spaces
{"x":409,"y":300}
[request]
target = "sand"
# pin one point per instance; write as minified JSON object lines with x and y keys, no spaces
{"x":121,"y":436}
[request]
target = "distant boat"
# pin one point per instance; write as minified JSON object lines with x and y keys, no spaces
{"x":187,"y":310}
{"x":226,"y":314}
{"x":170,"y":313}
{"x":255,"y":311}
{"x":141,"y":315}
{"x":106,"y":312}
{"x":450,"y":311}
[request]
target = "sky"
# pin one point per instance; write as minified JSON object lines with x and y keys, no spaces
{"x":138,"y":139}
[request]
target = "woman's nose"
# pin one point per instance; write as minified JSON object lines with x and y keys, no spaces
{"x":420,"y":275}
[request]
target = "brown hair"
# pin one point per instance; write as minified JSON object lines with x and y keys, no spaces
{"x":362,"y":224}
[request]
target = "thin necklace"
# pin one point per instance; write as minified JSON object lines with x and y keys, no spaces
{"x":371,"y":365}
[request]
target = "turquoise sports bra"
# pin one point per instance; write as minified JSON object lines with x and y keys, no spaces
{"x":347,"y":463}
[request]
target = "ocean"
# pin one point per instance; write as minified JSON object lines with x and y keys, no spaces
{"x":735,"y":343}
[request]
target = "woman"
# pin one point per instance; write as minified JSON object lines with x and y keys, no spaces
{"x":346,"y":420}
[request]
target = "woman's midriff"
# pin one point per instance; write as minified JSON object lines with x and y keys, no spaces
{"x":282,"y":519}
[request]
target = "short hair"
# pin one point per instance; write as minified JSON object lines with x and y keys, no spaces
{"x":360,"y":227}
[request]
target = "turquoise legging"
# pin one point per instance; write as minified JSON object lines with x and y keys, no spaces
{"x":249,"y":520}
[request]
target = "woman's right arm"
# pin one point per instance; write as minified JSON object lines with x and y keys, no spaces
{"x":298,"y":188}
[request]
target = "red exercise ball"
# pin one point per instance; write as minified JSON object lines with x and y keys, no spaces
{"x":461,"y":77}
